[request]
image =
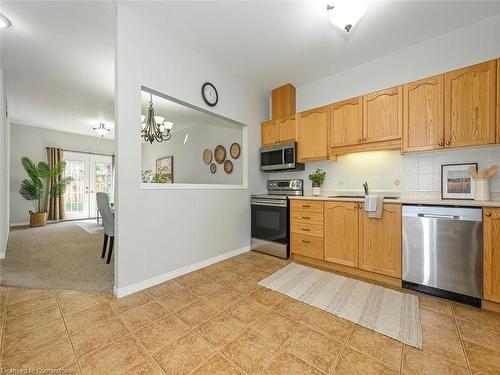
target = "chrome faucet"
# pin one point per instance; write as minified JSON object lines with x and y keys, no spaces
{"x":365,"y":186}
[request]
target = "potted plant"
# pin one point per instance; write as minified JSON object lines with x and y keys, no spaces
{"x":317,"y":178}
{"x":34,"y":188}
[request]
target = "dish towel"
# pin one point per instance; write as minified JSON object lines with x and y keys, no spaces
{"x":374,"y":205}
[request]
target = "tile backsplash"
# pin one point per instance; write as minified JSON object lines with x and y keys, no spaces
{"x":391,"y":171}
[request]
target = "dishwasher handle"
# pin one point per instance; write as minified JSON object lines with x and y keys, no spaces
{"x":433,"y":216}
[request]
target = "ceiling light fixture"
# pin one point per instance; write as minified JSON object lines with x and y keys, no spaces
{"x":155,"y":128}
{"x":345,"y":14}
{"x":102,"y":130}
{"x":4,"y":22}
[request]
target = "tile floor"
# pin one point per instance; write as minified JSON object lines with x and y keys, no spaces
{"x":219,"y":321}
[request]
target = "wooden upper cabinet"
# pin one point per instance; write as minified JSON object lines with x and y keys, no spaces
{"x":287,"y":129}
{"x":423,"y":114}
{"x":380,"y":242}
{"x":469,"y":109}
{"x":383,"y":115}
{"x":491,"y":254}
{"x":269,"y":133}
{"x":341,"y":233}
{"x":346,"y":125}
{"x":283,"y":101}
{"x":312,"y":140}
{"x":498,"y":101}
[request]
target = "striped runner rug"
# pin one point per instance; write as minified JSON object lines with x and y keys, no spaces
{"x":380,"y":309}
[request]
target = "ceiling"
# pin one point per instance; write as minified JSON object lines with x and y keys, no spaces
{"x":275,"y":42}
{"x":58,"y":59}
{"x":58,"y":56}
{"x":181,"y":115}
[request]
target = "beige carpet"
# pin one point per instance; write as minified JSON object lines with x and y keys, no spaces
{"x":57,"y":256}
{"x":90,"y":226}
{"x":383,"y":310}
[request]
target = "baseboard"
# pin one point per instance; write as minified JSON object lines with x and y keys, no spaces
{"x":19,"y":224}
{"x":3,"y":251}
{"x":125,"y":291}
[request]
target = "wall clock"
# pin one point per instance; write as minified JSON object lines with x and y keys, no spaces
{"x":209,"y":94}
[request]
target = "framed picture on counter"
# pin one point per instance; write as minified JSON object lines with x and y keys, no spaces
{"x":456,"y":181}
{"x":165,"y":168}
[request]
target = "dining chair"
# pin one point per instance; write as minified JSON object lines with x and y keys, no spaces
{"x":108,"y":222}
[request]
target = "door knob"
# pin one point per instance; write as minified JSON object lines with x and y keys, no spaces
{"x":440,"y":142}
{"x":359,"y":140}
{"x":447,"y":143}
{"x":355,"y":206}
{"x":364,"y":139}
{"x":488,"y":214}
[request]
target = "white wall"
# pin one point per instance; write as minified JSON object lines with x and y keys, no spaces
{"x":466,"y":46}
{"x":160,"y":231}
{"x":32,"y":142}
{"x":4,"y":169}
{"x":187,"y":145}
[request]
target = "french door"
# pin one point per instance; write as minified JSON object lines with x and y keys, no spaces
{"x":91,"y":174}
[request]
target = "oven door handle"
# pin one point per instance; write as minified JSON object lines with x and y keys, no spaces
{"x":269,"y":203}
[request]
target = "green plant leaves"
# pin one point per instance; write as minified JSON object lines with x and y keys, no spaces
{"x":60,"y":186}
{"x":32,"y":171}
{"x":29,"y":190}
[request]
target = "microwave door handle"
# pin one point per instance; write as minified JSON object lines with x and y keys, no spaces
{"x":283,"y":161}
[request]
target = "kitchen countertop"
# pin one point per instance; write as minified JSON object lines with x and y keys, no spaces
{"x":411,"y":200}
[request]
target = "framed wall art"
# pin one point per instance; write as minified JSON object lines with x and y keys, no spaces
{"x":165,"y":168}
{"x":456,"y":181}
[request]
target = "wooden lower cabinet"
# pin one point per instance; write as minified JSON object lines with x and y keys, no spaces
{"x":491,"y":254}
{"x":309,"y":246}
{"x":380,"y":242}
{"x":306,"y":228}
{"x":341,"y":233}
{"x":349,"y":237}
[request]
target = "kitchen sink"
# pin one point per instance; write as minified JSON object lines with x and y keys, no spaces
{"x":358,"y":196}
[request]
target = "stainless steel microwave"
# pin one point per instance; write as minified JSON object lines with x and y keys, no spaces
{"x":282,"y":157}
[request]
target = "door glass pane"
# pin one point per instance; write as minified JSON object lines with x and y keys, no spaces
{"x":104,"y":178}
{"x":75,"y":191}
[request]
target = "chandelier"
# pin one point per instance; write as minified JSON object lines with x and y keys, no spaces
{"x":102,"y":130}
{"x":155,"y":128}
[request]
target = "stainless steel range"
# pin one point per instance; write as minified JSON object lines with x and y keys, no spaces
{"x":270,"y":217}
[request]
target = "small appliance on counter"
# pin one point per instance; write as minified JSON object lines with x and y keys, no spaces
{"x":280,"y":158}
{"x":270,"y":217}
{"x":443,"y":252}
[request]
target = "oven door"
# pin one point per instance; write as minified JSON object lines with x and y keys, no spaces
{"x":269,"y":220}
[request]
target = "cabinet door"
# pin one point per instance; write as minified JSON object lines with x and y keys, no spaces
{"x":312,"y":140}
{"x":423,"y":114}
{"x":383,"y":115}
{"x":287,"y":129}
{"x":269,"y":133}
{"x":491,"y":254}
{"x":470,"y":105}
{"x":341,"y":233}
{"x":346,"y":126}
{"x":498,"y":101}
{"x":380,"y":242}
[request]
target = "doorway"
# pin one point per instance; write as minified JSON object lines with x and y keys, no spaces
{"x":91,"y":174}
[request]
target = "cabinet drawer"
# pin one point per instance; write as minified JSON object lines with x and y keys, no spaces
{"x":307,"y":245}
{"x":305,"y":228}
{"x":306,"y":218}
{"x":307,"y":206}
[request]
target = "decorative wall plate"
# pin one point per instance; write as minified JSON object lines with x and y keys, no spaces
{"x":228,"y":166}
{"x":235,"y":150}
{"x":220,"y":154}
{"x":207,"y":156}
{"x":213,"y":167}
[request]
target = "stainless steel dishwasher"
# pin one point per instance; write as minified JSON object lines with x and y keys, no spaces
{"x":443,"y":252}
